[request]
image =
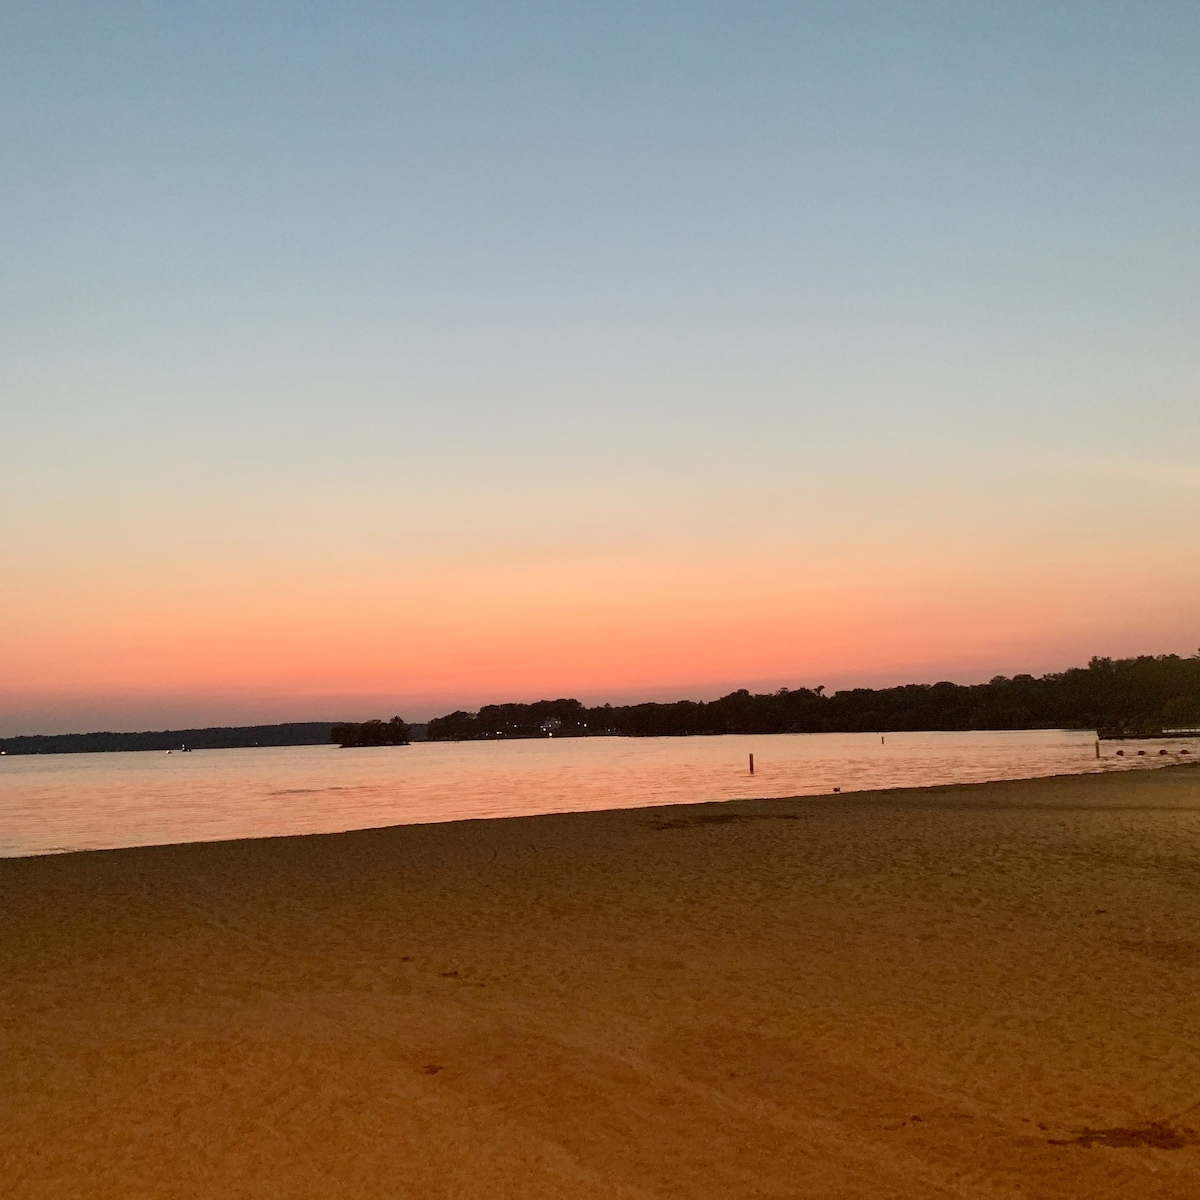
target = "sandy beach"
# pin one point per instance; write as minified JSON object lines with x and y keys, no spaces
{"x":985,"y":990}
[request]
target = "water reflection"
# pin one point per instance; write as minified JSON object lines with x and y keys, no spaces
{"x":53,"y":803}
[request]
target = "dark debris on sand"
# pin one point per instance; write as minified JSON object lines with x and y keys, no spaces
{"x":1157,"y":1135}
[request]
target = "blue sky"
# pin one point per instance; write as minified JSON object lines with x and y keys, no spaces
{"x":378,"y":292}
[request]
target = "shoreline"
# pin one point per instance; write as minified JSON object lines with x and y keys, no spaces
{"x":984,"y":989}
{"x":193,"y":740}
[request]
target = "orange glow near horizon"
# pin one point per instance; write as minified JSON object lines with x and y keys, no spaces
{"x":601,"y":629}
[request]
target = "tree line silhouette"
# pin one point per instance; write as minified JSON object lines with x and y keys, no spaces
{"x":1144,"y":694}
{"x":395,"y":732}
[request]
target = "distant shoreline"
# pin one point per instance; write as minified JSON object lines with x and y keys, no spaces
{"x":220,"y":737}
{"x":1148,"y":696}
{"x":174,"y":741}
{"x":256,"y":737}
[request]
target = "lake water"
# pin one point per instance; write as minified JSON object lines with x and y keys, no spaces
{"x":55,"y":803}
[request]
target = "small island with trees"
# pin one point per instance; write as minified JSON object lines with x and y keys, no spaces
{"x":395,"y":732}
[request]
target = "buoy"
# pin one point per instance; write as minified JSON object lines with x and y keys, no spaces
{"x":1120,"y":753}
{"x":1162,"y":752}
{"x":1141,"y":754}
{"x":752,"y":764}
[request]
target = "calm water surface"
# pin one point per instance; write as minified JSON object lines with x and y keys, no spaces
{"x":54,"y":803}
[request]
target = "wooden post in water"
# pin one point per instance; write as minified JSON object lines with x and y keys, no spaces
{"x":752,"y":764}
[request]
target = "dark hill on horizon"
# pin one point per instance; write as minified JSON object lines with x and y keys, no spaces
{"x":1146,"y":693}
{"x":219,"y":737}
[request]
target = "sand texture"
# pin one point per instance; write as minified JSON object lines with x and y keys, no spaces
{"x":978,"y":991}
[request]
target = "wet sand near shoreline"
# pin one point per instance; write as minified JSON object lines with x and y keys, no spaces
{"x":987,"y":990}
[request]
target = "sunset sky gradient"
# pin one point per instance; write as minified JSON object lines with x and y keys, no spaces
{"x":371,"y":358}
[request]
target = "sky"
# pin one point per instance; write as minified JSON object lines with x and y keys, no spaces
{"x":362,"y":359}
